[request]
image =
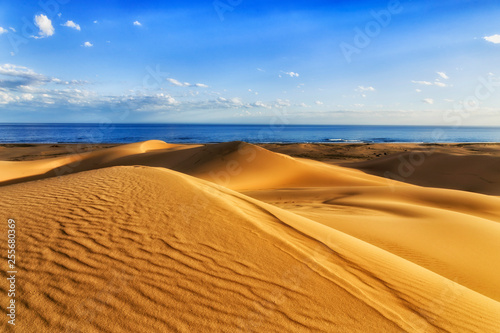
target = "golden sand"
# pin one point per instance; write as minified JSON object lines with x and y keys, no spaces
{"x":156,"y":237}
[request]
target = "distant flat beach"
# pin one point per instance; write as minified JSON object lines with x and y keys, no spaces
{"x":233,"y":236}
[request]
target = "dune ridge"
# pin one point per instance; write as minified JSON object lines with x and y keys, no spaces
{"x":452,"y":233}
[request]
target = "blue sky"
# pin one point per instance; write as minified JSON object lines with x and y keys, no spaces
{"x":251,"y":61}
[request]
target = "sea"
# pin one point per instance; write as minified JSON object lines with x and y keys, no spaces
{"x":210,"y":133}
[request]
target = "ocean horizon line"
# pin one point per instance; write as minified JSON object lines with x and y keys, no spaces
{"x":242,"y":124}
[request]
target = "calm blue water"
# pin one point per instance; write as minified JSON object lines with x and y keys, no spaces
{"x":126,"y":133}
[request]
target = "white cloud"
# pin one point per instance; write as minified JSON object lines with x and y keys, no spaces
{"x":428,"y":101}
{"x":282,"y":103}
{"x":220,"y":103}
{"x":137,"y":101}
{"x":23,"y":78}
{"x":291,"y":74}
{"x":88,"y":44}
{"x":236,"y":101}
{"x":440,"y":84}
{"x":45,"y":25}
{"x":12,"y":54}
{"x":278,"y":104}
{"x":148,"y":103}
{"x":3,"y":31}
{"x":318,"y":103}
{"x":27,"y":97}
{"x":443,"y":75}
{"x":13,"y":30}
{"x":261,"y":104}
{"x":23,"y":86}
{"x":71,"y":24}
{"x":493,"y":39}
{"x":425,"y":83}
{"x":186,"y":84}
{"x":6,"y":98}
{"x":361,"y":89}
{"x":418,"y":90}
{"x":137,"y":23}
{"x":20,"y":72}
{"x":260,"y":70}
{"x":96,"y":21}
{"x":178,"y":83}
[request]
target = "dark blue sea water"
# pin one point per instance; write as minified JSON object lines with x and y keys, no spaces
{"x":174,"y":133}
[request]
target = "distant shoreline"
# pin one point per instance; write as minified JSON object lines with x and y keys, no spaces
{"x":330,"y":152}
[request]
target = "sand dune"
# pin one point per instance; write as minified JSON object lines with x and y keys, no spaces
{"x":452,"y":233}
{"x":474,"y":173}
{"x":242,"y":166}
{"x":236,"y":165}
{"x":115,"y":241}
{"x":146,"y":249}
{"x":18,"y":171}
